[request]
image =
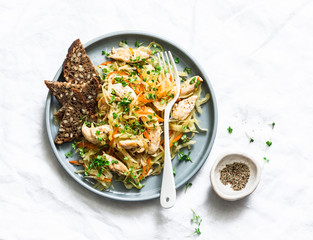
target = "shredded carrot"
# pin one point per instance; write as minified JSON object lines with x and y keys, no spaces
{"x":178,"y":99}
{"x":107,"y":179}
{"x":142,"y":98}
{"x":139,"y":73}
{"x":146,"y":134}
{"x":131,"y":51}
{"x":106,"y":63}
{"x":87,"y":145}
{"x":139,"y":88}
{"x":147,"y":110}
{"x":114,"y":132}
{"x":149,"y":166}
{"x":75,"y":162}
{"x":176,"y":139}
{"x":143,"y":172}
{"x":171,"y":78}
{"x":169,"y":133}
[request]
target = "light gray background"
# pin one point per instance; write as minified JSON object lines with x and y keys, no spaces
{"x":258,"y":56}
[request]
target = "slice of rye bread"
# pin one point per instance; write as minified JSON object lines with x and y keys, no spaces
{"x":77,"y":67}
{"x":89,"y":91}
{"x":71,"y":124}
{"x":62,"y":90}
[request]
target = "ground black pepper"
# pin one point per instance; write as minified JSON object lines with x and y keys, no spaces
{"x":237,"y":174}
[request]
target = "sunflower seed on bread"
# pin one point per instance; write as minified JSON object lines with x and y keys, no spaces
{"x":62,"y":90}
{"x":77,"y":67}
{"x":90,"y":92}
{"x":71,"y":124}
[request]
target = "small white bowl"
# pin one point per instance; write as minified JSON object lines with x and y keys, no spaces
{"x":225,"y":191}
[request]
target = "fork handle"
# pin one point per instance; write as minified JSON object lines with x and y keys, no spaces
{"x":168,"y":190}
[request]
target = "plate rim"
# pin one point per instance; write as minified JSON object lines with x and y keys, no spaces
{"x":192,"y":172}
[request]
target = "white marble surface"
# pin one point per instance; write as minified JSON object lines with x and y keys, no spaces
{"x":259,"y":57}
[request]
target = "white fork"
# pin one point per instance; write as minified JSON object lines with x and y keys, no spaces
{"x":168,"y":190}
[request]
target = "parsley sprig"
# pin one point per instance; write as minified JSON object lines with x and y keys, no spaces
{"x":184,"y":157}
{"x":197,"y":220}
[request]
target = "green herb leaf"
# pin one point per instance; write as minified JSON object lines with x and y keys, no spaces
{"x":266,"y":160}
{"x":103,"y":53}
{"x":74,"y":145}
{"x":273,"y":125}
{"x":268,"y":143}
{"x":197,"y":231}
{"x":174,"y":171}
{"x":187,"y":185}
{"x":230,"y":130}
{"x":137,"y":44}
{"x":251,"y":140}
{"x":184,"y":157}
{"x":192,"y":80}
{"x":176,"y":60}
{"x":114,"y":115}
{"x":187,"y":70}
{"x":69,"y":154}
{"x":124,"y":41}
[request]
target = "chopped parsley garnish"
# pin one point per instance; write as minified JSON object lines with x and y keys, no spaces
{"x":187,"y":185}
{"x":112,"y":99}
{"x":266,"y":160}
{"x":103,"y":52}
{"x":124,"y":41}
{"x":187,"y":70}
{"x":184,"y":127}
{"x":192,"y":80}
{"x":158,"y":68}
{"x":114,"y":115}
{"x":69,"y":154}
{"x":184,"y":157}
{"x":229,"y":129}
{"x":149,"y":116}
{"x":97,"y":132}
{"x":185,"y":139}
{"x":175,"y":144}
{"x":114,"y":161}
{"x":174,"y":171}
{"x":176,"y":60}
{"x":137,"y":44}
{"x":268,"y":143}
{"x":81,"y":151}
{"x":88,"y":124}
{"x":251,"y":140}
{"x":126,"y":158}
{"x":183,"y":79}
{"x":74,"y":145}
{"x":197,"y":84}
{"x":197,"y":220}
{"x":273,"y":125}
{"x":162,"y":101}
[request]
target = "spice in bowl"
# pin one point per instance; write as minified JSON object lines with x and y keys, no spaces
{"x":236,"y":174}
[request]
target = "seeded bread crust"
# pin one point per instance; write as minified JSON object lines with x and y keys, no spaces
{"x":60,"y":113}
{"x":77,"y":67}
{"x":62,"y":90}
{"x":71,"y":124}
{"x":90,"y":92}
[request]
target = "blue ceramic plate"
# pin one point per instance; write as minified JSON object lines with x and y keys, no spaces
{"x":199,"y":152}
